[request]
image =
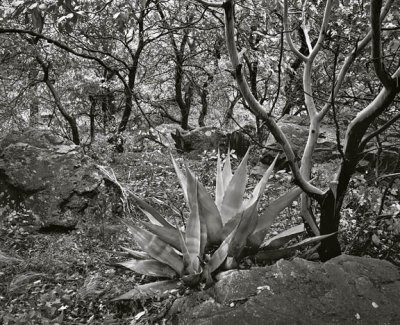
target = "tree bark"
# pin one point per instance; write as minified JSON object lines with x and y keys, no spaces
{"x":204,"y":100}
{"x":69,"y":118}
{"x":92,"y":117}
{"x":34,"y":112}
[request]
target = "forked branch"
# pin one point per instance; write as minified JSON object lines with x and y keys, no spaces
{"x":257,"y":108}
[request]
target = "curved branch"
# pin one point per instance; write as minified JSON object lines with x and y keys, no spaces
{"x":287,"y":32}
{"x":69,"y":118}
{"x":256,"y":107}
{"x":86,"y":48}
{"x":210,"y":4}
{"x":322,"y":32}
{"x":360,"y":46}
{"x":376,"y":49}
{"x":384,"y":127}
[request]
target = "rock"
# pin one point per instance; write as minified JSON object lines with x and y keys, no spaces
{"x":47,"y":175}
{"x":239,"y":141}
{"x":296,"y":130}
{"x":340,"y":291}
{"x":209,"y":138}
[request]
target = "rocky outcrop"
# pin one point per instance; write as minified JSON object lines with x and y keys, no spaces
{"x":209,"y":138}
{"x":47,"y":175}
{"x":386,"y":159}
{"x":296,"y":130}
{"x":344,"y":290}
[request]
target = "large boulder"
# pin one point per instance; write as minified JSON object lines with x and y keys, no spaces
{"x":209,"y":138}
{"x":47,"y":175}
{"x":344,"y":290}
{"x":296,"y":129}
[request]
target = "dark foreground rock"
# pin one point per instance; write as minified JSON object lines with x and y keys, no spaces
{"x":344,"y":290}
{"x":48,"y":176}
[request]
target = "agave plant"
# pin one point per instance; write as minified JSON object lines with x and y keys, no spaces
{"x":219,"y":232}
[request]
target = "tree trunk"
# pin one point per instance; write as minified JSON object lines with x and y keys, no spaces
{"x":183,"y":104}
{"x":204,"y":107}
{"x":331,"y":206}
{"x":127,"y":111}
{"x":133,"y":69}
{"x":204,"y":101}
{"x":330,"y":216}
{"x":34,"y":112}
{"x":92,"y":116}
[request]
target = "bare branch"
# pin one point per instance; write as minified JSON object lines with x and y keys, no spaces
{"x":279,"y":71}
{"x":305,"y":26}
{"x":373,"y":134}
{"x":210,"y":4}
{"x":70,"y":119}
{"x":287,"y":32}
{"x":322,"y":32}
{"x":339,"y":146}
{"x":360,"y":46}
{"x":256,"y":107}
{"x":376,"y":49}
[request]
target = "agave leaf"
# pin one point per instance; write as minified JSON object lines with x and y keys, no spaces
{"x":220,"y":254}
{"x":284,"y":237}
{"x":156,"y":248}
{"x":150,"y":217}
{"x":152,"y":213}
{"x":150,"y":268}
{"x":246,"y":226}
{"x":168,"y":235}
{"x":182,"y":178}
{"x":260,"y":187}
{"x":186,"y":256}
{"x":193,"y":227}
{"x":273,"y":254}
{"x":273,"y":209}
{"x":227,"y":170}
{"x":150,"y":290}
{"x":203,"y":237}
{"x":209,"y":215}
{"x":139,"y":255}
{"x":233,"y":198}
{"x":271,"y":212}
{"x":219,"y":187}
{"x":233,"y":222}
{"x":310,"y":220}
